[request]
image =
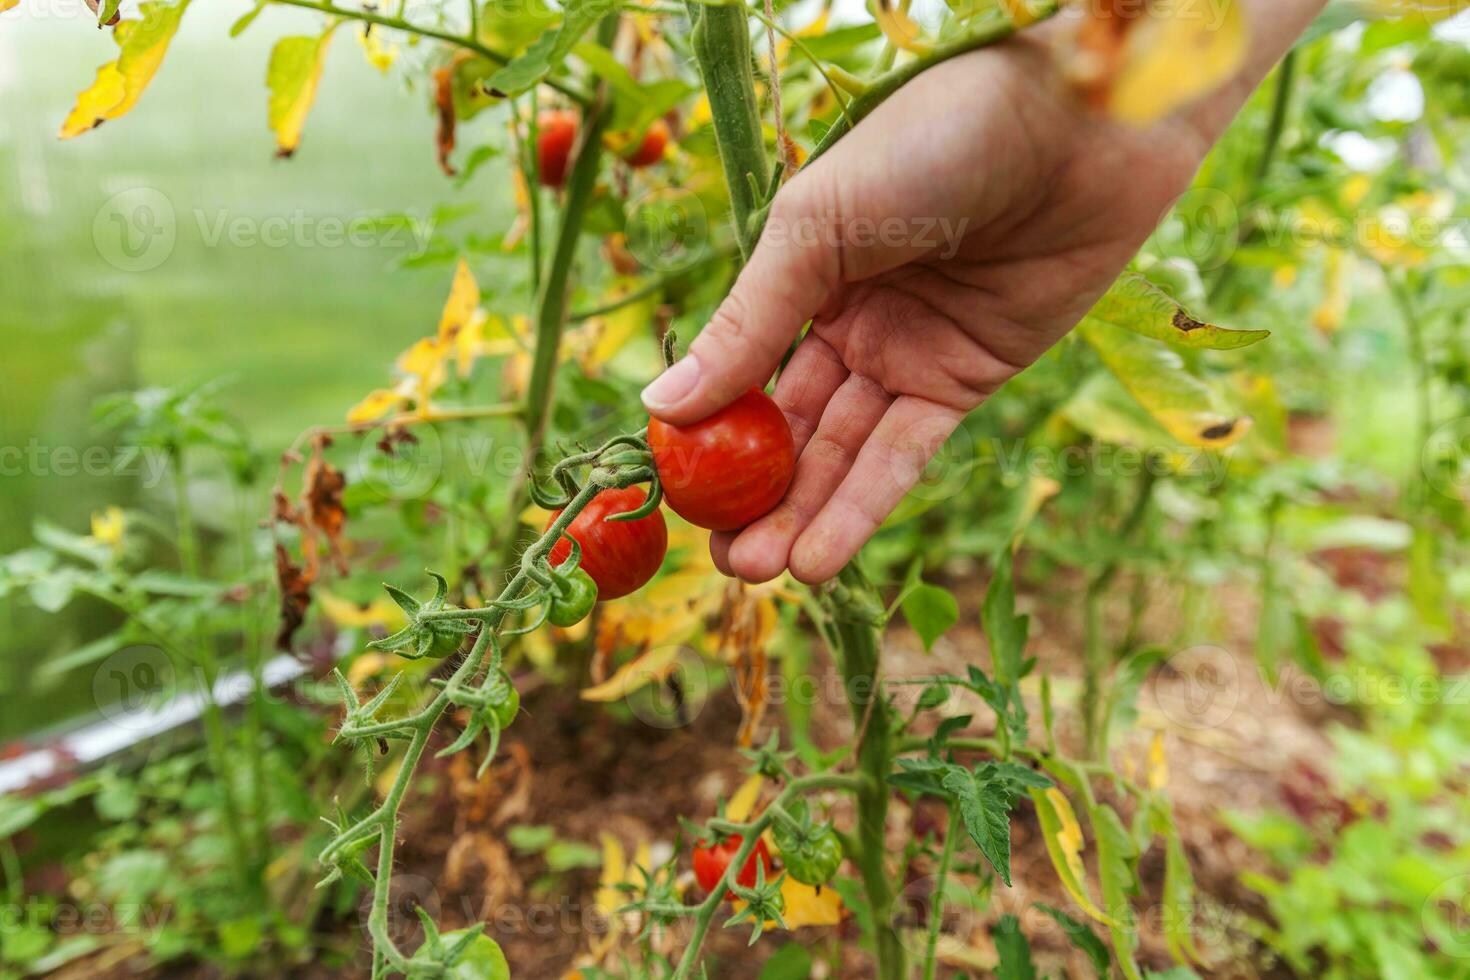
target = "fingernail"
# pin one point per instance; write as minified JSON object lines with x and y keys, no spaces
{"x":669,"y":388}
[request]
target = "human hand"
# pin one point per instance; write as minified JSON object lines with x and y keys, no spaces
{"x":939,"y":249}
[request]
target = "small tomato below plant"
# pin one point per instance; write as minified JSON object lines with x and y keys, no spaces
{"x":725,"y":471}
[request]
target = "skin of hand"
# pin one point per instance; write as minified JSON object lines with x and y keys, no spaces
{"x":910,"y":332}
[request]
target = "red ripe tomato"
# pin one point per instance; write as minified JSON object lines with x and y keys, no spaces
{"x":651,"y":150}
{"x":621,"y":556}
{"x":725,"y":471}
{"x":556,"y":132}
{"x":711,"y":860}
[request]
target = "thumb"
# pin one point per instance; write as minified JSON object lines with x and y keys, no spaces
{"x":787,"y":281}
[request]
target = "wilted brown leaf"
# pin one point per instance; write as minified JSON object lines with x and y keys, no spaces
{"x":295,"y":586}
{"x":321,"y":498}
{"x":444,"y":106}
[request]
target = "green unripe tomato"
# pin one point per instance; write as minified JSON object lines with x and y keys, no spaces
{"x":505,"y":700}
{"x":812,"y":853}
{"x":578,"y":596}
{"x":445,"y":644}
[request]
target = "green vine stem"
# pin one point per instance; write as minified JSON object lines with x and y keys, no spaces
{"x":1097,"y":654}
{"x":470,"y":43}
{"x":855,"y":615}
{"x":555,"y":290}
{"x":419,"y":727}
{"x":721,"y":42}
{"x":936,"y":910}
{"x":207,"y":660}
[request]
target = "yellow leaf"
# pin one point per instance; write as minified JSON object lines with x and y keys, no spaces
{"x":382,"y":612}
{"x":1158,"y":763}
{"x":1182,"y":51}
{"x":425,"y":364}
{"x":119,"y":84}
{"x":1063,"y":837}
{"x":294,"y":73}
{"x":380,"y":55}
{"x":647,"y":669}
{"x":1019,"y":11}
{"x":1338,"y":274}
{"x":383,"y":401}
{"x":463,"y":302}
{"x":742,"y":804}
{"x":7,"y":5}
{"x":898,"y":27}
{"x":807,"y":905}
{"x":1157,"y":379}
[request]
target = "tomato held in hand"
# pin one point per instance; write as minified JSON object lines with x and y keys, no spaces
{"x":711,"y":860}
{"x":556,"y":132}
{"x":621,"y":556}
{"x":651,"y":150}
{"x":725,"y":471}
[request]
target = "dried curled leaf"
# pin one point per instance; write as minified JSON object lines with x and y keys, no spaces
{"x":119,"y":84}
{"x":295,"y":587}
{"x":294,"y":73}
{"x":321,"y":498}
{"x":444,"y":138}
{"x":1139,"y":61}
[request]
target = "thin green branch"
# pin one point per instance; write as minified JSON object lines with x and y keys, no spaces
{"x":936,"y":909}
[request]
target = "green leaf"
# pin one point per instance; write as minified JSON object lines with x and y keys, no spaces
{"x":1013,"y":949}
{"x":1082,"y":936}
{"x":985,"y":807}
{"x":1117,"y":863}
{"x":834,"y":43}
{"x":790,"y":962}
{"x":246,"y":19}
{"x":1156,"y":377}
{"x":1138,"y":305}
{"x":565,"y":855}
{"x":85,"y":654}
{"x":1127,"y":681}
{"x":1178,"y":899}
{"x":531,"y":839}
{"x":546,"y":54}
{"x":931,"y":611}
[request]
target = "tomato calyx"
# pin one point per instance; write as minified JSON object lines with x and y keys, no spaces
{"x":432,"y":630}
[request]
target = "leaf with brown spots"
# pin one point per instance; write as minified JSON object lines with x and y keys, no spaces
{"x":1134,"y":303}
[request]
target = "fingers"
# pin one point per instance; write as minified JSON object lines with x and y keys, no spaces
{"x":889,"y":464}
{"x":761,"y":551}
{"x":784,"y":285}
